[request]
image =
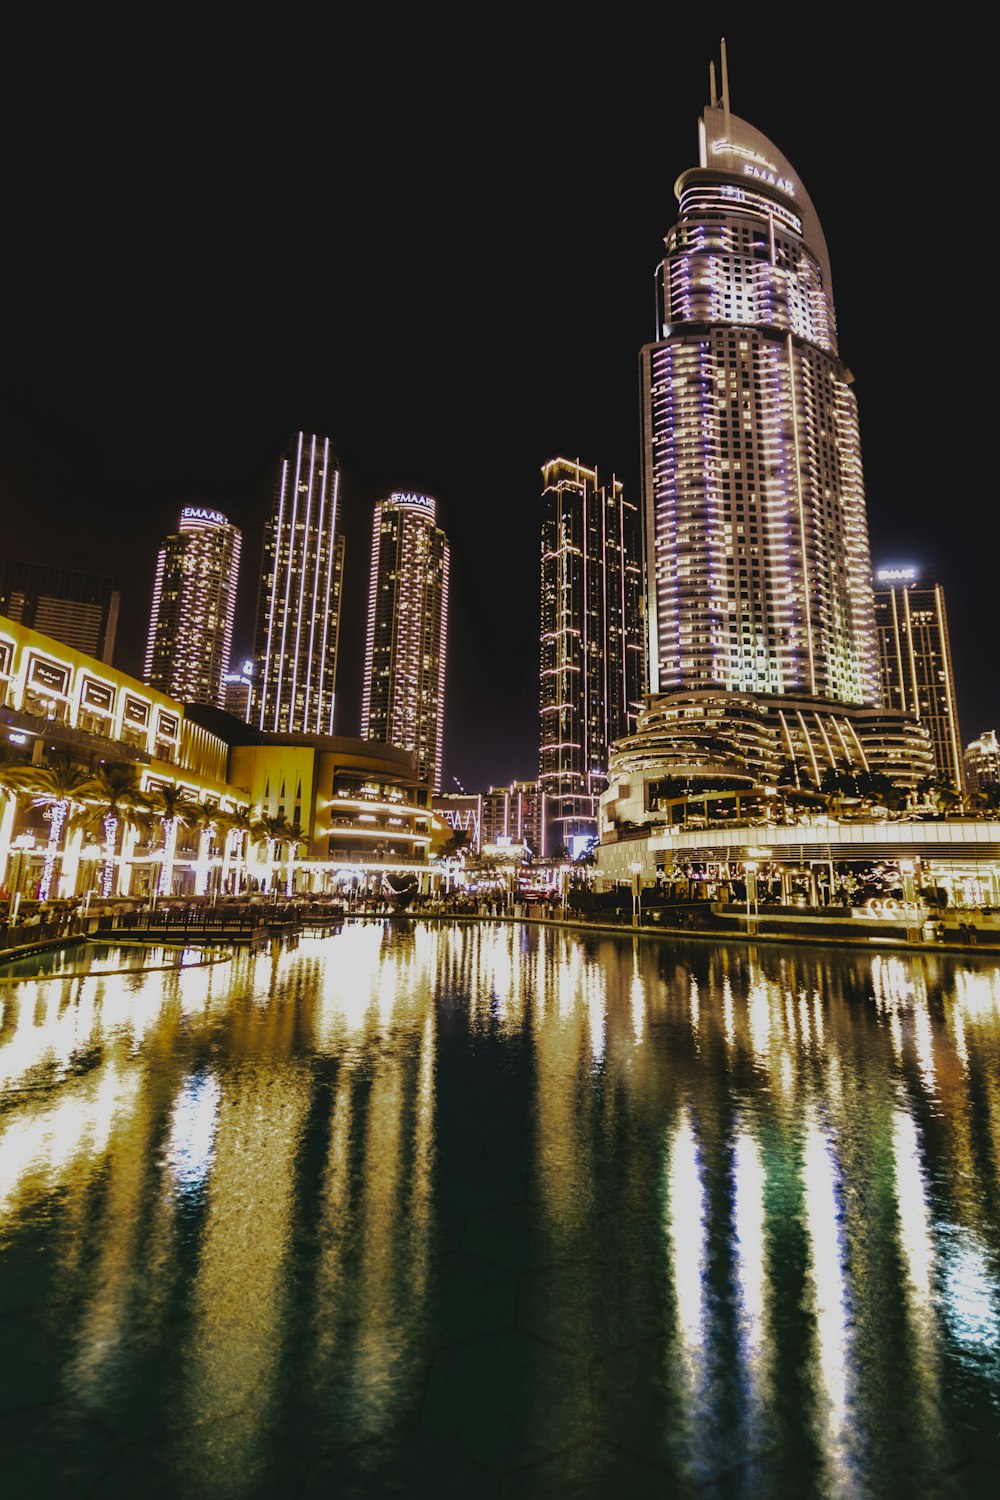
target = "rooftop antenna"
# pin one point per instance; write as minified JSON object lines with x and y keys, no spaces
{"x":725,"y":89}
{"x":713,"y":97}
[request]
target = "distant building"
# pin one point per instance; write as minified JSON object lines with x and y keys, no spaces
{"x":463,"y":813}
{"x":592,"y":670}
{"x":236,"y":691}
{"x":298,"y":604}
{"x":79,"y":609}
{"x":915,"y":661}
{"x":403,"y":698}
{"x":194,"y":604}
{"x":515,"y":814}
{"x":982,"y":762}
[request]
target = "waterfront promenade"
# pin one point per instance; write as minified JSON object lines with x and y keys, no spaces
{"x":255,"y":922}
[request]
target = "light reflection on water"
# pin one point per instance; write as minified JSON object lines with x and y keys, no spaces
{"x":708,"y":1208}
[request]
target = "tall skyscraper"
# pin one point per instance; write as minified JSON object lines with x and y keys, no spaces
{"x":194,"y":604}
{"x":759,"y":573}
{"x":79,"y":609}
{"x":298,"y":604}
{"x":915,"y":659}
{"x":405,"y":647}
{"x":592,"y":649}
{"x":763,"y":649}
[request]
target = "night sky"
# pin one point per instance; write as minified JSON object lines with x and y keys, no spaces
{"x":438,"y":248}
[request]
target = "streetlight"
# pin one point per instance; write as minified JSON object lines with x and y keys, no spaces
{"x":750,"y":874}
{"x":636,"y":869}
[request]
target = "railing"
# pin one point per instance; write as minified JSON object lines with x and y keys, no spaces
{"x":23,"y":936}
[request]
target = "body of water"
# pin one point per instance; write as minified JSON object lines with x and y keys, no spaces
{"x":480,"y":1209}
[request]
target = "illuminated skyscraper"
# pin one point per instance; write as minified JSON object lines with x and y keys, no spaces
{"x":298,"y":605}
{"x":915,"y":658}
{"x":194,"y":602}
{"x":762,"y":645}
{"x":405,"y":646}
{"x":759,"y":573}
{"x":592,"y":657}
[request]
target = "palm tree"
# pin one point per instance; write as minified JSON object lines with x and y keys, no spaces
{"x":210,"y":821}
{"x":459,"y":843}
{"x":60,"y":787}
{"x":247,"y":829}
{"x":278,"y":832}
{"x":175,"y":808}
{"x":112,"y":796}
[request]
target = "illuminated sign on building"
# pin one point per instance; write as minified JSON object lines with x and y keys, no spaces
{"x":98,"y":696}
{"x":762,"y":175}
{"x":166,"y":726}
{"x":48,"y":675}
{"x":199,"y":513}
{"x":755,"y":165}
{"x":414,"y":502}
{"x":136,"y":712}
{"x":896,"y":575}
{"x":6,"y":652}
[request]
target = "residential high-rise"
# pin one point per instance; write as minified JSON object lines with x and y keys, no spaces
{"x":982,"y":763}
{"x":79,"y":609}
{"x":298,"y":604}
{"x":915,"y":660}
{"x":516,"y":813}
{"x":194,"y":604}
{"x":403,"y":696}
{"x":757,"y":553}
{"x":592,"y":648}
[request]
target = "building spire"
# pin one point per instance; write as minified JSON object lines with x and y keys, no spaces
{"x":725,"y":88}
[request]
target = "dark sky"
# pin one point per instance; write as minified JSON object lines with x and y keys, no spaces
{"x":438,"y":248}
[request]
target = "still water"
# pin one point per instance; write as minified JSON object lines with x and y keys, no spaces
{"x":487,"y":1210}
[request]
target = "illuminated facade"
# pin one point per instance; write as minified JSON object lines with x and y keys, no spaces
{"x":592,"y":673}
{"x":756,"y":536}
{"x":298,"y":605}
{"x":982,"y":763}
{"x":516,"y":813}
{"x":915,"y":660}
{"x":403,"y":696}
{"x":194,"y":604}
{"x":361,"y":809}
{"x":78,"y":609}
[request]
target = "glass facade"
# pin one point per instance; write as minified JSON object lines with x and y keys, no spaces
{"x":194,"y":604}
{"x":298,"y":609}
{"x":406,"y":639}
{"x":757,"y":553}
{"x":592,"y":672}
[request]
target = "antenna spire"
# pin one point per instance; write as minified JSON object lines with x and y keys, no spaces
{"x":725,"y":88}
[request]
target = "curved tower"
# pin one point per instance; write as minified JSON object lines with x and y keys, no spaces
{"x":406,"y":640}
{"x":194,"y":605}
{"x":757,"y":554}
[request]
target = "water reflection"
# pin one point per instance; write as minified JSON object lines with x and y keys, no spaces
{"x":740,"y":1202}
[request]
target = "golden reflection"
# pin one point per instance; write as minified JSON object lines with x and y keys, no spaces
{"x":116,"y":1280}
{"x":748,"y":1216}
{"x":914,"y":1231}
{"x":686,"y":1239}
{"x":241,"y":1282}
{"x":46,"y":1145}
{"x":826,"y":1252}
{"x":637,"y":996}
{"x":727,"y":1012}
{"x":759,"y":1018}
